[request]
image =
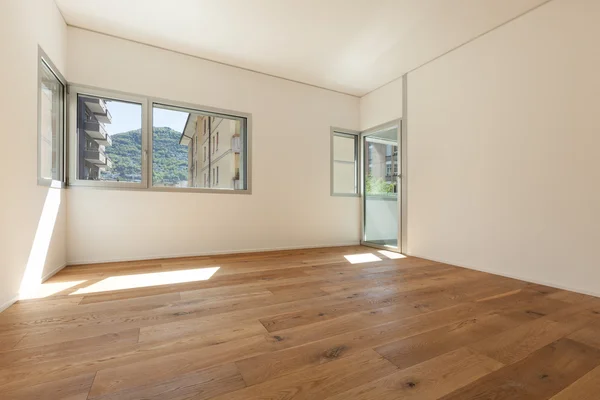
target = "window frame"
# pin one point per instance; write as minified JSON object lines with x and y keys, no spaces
{"x":148,"y":103}
{"x":44,"y":59}
{"x":347,"y":133}
{"x":212,"y":112}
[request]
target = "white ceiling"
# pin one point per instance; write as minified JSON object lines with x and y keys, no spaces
{"x":352,"y":46}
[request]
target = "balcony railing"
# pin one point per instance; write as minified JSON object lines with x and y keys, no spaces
{"x":96,"y":157}
{"x":98,"y":108}
{"x":236,"y":144}
{"x":97,"y":132}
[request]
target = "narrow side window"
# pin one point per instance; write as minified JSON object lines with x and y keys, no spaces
{"x":344,"y":163}
{"x":51,"y":124}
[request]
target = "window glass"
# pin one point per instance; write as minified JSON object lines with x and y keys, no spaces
{"x":177,"y":162}
{"x":109,"y":140}
{"x":344,"y":164}
{"x":51,"y":124}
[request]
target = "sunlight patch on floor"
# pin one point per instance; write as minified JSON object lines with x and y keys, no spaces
{"x":147,"y":280}
{"x":391,"y":255}
{"x":49,"y":289}
{"x":362,"y":258}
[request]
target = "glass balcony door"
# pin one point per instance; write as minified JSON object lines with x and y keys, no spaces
{"x":381,"y":166}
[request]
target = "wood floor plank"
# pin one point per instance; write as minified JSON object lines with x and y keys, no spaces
{"x":71,"y":388}
{"x":542,"y":374}
{"x":199,"y":385}
{"x":429,"y":380}
{"x":419,"y":348}
{"x":320,"y":382}
{"x":164,"y":368}
{"x":514,"y":344}
{"x":266,"y":366}
{"x":585,"y":388}
{"x":55,"y":352}
{"x":589,"y":334}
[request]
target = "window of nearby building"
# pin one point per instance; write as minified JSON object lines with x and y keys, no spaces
{"x":217,"y":142}
{"x":344,"y":163}
{"x":51,"y":123}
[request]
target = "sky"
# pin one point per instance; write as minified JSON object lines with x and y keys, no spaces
{"x":128,"y":117}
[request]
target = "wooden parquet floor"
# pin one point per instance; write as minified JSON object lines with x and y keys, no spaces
{"x":333,"y":323}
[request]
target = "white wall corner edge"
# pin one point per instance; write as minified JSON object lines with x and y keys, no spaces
{"x":53,"y":272}
{"x":9,"y":303}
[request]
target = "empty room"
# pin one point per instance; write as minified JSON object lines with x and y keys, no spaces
{"x":299,"y":199}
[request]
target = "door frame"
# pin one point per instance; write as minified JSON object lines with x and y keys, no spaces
{"x":400,"y":184}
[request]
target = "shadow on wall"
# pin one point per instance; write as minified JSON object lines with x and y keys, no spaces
{"x":32,"y":278}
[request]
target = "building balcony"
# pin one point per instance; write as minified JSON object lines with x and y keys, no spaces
{"x":236,"y":144}
{"x":98,"y":108}
{"x":97,"y":157}
{"x":97,"y":132}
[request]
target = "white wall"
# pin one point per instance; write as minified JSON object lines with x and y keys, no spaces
{"x":503,"y":147}
{"x":290,"y":205}
{"x":381,"y":105}
{"x":23,"y":25}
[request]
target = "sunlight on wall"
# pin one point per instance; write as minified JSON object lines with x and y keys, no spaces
{"x":32,"y":278}
{"x":49,"y":289}
{"x":362,"y":258}
{"x":391,"y":255}
{"x":151,"y":279}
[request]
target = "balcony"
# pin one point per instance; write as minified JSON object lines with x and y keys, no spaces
{"x":236,"y":144}
{"x":98,"y":108}
{"x":97,"y":157}
{"x":97,"y":132}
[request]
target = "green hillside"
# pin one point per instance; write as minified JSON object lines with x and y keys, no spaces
{"x":170,"y":158}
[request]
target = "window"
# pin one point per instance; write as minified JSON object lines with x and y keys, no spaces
{"x":174,"y":126}
{"x":344,"y":163}
{"x":107,"y":140}
{"x":51,"y":123}
{"x":217,"y":142}
{"x":129,"y":141}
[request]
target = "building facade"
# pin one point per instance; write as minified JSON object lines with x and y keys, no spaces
{"x":382,"y":160}
{"x":214,"y":145}
{"x":92,"y":137}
